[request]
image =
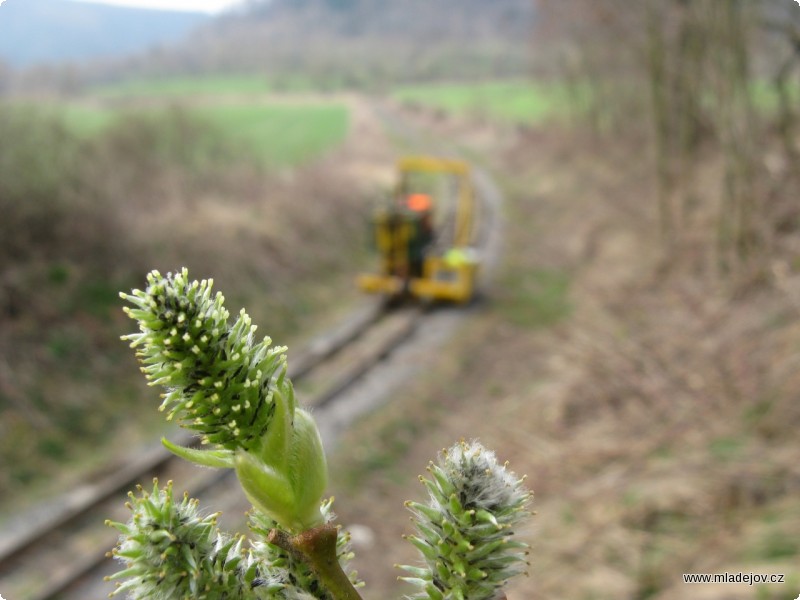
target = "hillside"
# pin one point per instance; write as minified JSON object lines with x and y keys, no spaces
{"x":354,"y":43}
{"x":416,"y":19}
{"x":56,"y":31}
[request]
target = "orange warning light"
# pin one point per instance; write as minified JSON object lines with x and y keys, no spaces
{"x":419,"y":202}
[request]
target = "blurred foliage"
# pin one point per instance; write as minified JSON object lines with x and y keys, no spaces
{"x":185,"y":86}
{"x":62,"y":247}
{"x":320,"y":44}
{"x":150,"y":138}
{"x":46,"y":196}
{"x":93,"y":199}
{"x":36,"y":171}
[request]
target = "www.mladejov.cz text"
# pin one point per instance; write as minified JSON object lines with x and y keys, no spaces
{"x":740,"y":577}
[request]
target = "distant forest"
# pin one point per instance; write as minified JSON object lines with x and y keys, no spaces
{"x":326,"y":44}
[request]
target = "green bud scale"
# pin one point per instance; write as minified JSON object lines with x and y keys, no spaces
{"x":465,"y":531}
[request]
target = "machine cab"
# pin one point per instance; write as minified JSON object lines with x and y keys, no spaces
{"x":424,"y":234}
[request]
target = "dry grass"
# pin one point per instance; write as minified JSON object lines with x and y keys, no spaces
{"x":657,"y":422}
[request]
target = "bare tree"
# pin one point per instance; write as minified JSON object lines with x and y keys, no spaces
{"x":695,"y":64}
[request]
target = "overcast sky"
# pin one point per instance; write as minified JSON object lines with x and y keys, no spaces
{"x":209,"y":6}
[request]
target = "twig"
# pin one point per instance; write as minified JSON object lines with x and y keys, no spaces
{"x":317,"y":548}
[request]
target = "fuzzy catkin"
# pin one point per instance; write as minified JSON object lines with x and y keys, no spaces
{"x":465,"y":531}
{"x":170,"y":551}
{"x":218,"y":381}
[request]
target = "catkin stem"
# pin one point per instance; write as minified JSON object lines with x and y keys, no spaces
{"x":317,"y":548}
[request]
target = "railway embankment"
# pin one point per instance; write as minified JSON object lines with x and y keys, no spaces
{"x":650,"y":400}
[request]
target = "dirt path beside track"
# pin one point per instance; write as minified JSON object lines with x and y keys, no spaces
{"x":634,"y":400}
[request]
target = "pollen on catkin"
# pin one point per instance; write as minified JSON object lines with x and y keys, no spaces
{"x":208,"y":366}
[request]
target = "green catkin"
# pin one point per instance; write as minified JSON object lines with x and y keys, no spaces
{"x":465,"y":531}
{"x":171,"y":552}
{"x":234,"y":392}
{"x":218,"y":381}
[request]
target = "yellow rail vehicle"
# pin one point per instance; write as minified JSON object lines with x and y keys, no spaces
{"x":425,"y":233}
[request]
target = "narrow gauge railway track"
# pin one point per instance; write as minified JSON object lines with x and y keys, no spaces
{"x":57,"y":555}
{"x":63,"y":555}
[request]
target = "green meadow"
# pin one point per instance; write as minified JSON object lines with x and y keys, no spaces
{"x":281,"y":135}
{"x":508,"y":101}
{"x":531,"y":103}
{"x":85,"y":121}
{"x":185,"y":86}
{"x":270,"y":134}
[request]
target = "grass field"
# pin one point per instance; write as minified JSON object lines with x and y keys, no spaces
{"x":186,"y":86}
{"x":209,"y":86}
{"x":532,"y":103}
{"x":272,"y":135}
{"x":514,"y":101}
{"x":281,"y":135}
{"x":268,"y":133}
{"x":86,"y":121}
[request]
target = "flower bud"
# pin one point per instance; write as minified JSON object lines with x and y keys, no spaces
{"x":234,"y":392}
{"x":464,"y":532}
{"x":218,"y":381}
